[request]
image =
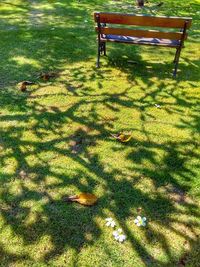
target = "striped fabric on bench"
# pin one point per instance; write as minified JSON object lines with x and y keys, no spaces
{"x":142,"y":41}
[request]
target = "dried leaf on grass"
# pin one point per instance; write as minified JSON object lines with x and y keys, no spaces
{"x":139,"y":209}
{"x":46,"y":76}
{"x":122,"y":137}
{"x":86,"y":199}
{"x":23,"y":85}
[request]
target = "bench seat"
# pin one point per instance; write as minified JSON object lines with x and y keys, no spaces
{"x":141,"y":41}
{"x":156,"y":31}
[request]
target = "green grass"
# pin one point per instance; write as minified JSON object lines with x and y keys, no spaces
{"x":158,"y":170}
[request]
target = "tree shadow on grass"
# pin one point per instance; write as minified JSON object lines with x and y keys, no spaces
{"x":155,"y":175}
{"x":70,"y":226}
{"x":129,"y":60}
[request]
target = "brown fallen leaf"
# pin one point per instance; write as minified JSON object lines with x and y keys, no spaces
{"x":46,"y":76}
{"x":122,"y":137}
{"x":139,"y":210}
{"x":23,"y":85}
{"x":86,"y":199}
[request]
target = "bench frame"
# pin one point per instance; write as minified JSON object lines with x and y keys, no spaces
{"x":101,"y":29}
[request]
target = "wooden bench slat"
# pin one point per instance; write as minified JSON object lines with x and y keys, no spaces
{"x":142,"y":33}
{"x":142,"y":20}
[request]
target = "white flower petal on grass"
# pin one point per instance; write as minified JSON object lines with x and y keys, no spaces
{"x":121,"y":238}
{"x":109,"y":219}
{"x":158,"y":106}
{"x":115,"y":233}
{"x":110,"y":222}
{"x":136,"y":221}
{"x":116,"y":237}
{"x":140,"y":221}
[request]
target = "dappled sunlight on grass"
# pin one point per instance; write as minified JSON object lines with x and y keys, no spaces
{"x":55,"y":140}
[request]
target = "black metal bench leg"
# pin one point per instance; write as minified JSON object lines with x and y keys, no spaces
{"x":175,"y":58}
{"x":104,"y":49}
{"x":176,"y":61}
{"x":98,"y":55}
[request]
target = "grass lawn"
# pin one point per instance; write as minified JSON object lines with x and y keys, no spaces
{"x":55,"y":140}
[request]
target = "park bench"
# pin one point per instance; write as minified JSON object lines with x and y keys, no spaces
{"x":173,"y":38}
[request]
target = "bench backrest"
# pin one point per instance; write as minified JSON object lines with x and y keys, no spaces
{"x":181,"y":23}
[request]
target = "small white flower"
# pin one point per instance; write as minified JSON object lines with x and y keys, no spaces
{"x":115,"y":233}
{"x":119,"y":236}
{"x":140,"y":221}
{"x":158,"y":106}
{"x":109,"y":219}
{"x":110,"y":222}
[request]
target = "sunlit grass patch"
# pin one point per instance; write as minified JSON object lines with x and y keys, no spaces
{"x":55,"y":140}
